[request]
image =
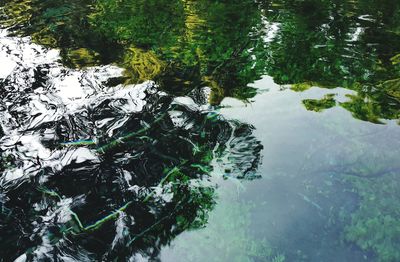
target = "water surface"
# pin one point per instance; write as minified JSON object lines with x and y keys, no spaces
{"x":199,"y":130}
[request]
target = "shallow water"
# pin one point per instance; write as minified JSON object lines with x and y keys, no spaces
{"x":199,"y":130}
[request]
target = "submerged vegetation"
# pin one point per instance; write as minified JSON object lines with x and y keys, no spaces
{"x":228,"y":237}
{"x":375,"y":225}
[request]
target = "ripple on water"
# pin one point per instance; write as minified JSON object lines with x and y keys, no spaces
{"x":94,"y":172}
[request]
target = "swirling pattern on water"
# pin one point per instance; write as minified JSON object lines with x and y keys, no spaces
{"x":98,"y":172}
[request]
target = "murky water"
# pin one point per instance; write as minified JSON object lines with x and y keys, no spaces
{"x":199,"y":130}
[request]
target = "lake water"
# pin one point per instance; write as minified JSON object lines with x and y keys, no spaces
{"x":240,"y":130}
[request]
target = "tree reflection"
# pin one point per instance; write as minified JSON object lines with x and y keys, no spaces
{"x":185,"y":44}
{"x":340,"y":44}
{"x":130,"y":182}
{"x":181,"y":44}
{"x":111,"y":174}
{"x":147,"y":185}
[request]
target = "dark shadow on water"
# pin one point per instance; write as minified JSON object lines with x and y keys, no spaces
{"x":91,"y":172}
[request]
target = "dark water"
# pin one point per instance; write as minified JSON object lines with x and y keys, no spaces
{"x":180,"y":130}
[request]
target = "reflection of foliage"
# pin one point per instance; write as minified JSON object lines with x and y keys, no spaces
{"x":146,"y":183}
{"x":395,"y":60}
{"x":300,"y":87}
{"x":15,"y":13}
{"x":59,"y":24}
{"x":81,"y":57}
{"x":145,"y":23}
{"x":336,"y":47}
{"x":141,"y":65}
{"x":319,"y":105}
{"x":376,"y":224}
{"x":197,"y":40}
{"x":392,"y":89}
{"x":193,"y":43}
{"x":363,"y":109}
{"x":230,"y":58}
{"x":184,"y":44}
{"x":328,"y":53}
{"x":376,"y":103}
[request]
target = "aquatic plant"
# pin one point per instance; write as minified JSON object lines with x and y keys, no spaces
{"x":376,"y":223}
{"x":226,"y":237}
